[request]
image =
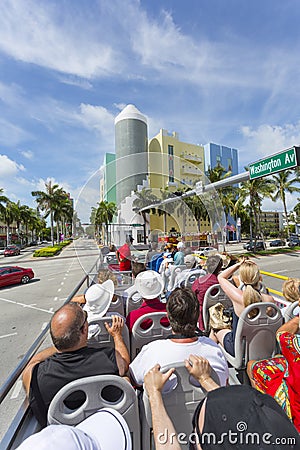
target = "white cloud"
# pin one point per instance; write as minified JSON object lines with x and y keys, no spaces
{"x":11,"y":134}
{"x":267,"y":139}
{"x":8,"y":167}
{"x":28,"y":154}
{"x":97,"y":118}
{"x":75,"y":81}
{"x":34,"y":32}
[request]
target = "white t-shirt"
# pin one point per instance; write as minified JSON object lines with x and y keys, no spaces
{"x":165,"y":351}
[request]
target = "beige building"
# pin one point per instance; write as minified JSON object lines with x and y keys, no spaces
{"x":175,"y":165}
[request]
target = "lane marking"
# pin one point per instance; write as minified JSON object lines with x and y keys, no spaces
{"x":44,"y":326}
{"x":17,"y":389}
{"x":62,"y":283}
{"x":55,"y":299}
{"x":281,"y":271}
{"x":8,"y":335}
{"x":24,"y":305}
{"x":58,"y":290}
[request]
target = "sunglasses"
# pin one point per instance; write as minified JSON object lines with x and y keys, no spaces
{"x":85,"y":319}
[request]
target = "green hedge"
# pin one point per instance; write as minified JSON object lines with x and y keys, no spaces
{"x":51,"y":251}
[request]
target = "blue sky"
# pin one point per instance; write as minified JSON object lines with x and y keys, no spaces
{"x":212,"y":70}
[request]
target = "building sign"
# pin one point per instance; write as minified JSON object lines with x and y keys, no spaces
{"x":281,"y":161}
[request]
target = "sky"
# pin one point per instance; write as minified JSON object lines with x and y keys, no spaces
{"x":217,"y":71}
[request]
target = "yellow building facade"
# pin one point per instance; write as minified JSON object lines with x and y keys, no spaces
{"x":175,"y":165}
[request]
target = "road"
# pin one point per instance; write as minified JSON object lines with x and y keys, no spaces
{"x":284,"y":264}
{"x":26,"y":309}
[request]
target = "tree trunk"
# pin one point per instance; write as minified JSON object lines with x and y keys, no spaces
{"x":52,"y":228}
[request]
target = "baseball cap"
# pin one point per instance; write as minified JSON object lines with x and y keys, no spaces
{"x":104,"y":430}
{"x":240,"y":417}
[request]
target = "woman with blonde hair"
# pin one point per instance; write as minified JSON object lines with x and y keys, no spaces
{"x":241,"y":298}
{"x":290,"y":289}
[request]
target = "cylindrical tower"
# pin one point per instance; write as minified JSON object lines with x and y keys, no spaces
{"x":131,"y":141}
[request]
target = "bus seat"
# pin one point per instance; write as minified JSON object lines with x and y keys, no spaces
{"x":140,"y":337}
{"x":175,"y":270}
{"x":255,"y":337}
{"x":193,"y":277}
{"x":93,"y":389}
{"x":180,"y":402}
{"x":291,"y":311}
{"x":117,"y":306}
{"x":213,"y":295}
{"x":98,"y":336}
{"x":133,"y":302}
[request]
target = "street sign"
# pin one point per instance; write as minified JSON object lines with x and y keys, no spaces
{"x":199,"y":188}
{"x":275,"y":163}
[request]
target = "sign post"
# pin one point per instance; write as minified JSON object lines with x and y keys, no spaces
{"x":288,"y":159}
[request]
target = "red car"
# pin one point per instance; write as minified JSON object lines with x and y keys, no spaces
{"x":14,"y":275}
{"x":12,"y":250}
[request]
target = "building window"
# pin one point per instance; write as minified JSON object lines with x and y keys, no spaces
{"x":171,"y":163}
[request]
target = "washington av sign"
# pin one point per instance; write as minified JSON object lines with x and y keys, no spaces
{"x":287,"y":159}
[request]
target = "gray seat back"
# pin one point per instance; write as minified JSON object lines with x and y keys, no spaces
{"x":213,"y":295}
{"x":193,"y":277}
{"x":101,"y":337}
{"x":256,"y":336}
{"x":175,"y":271}
{"x":140,"y":337}
{"x":133,"y":302}
{"x":180,"y":402}
{"x":290,"y":312}
{"x":93,"y":389}
{"x":117,"y":306}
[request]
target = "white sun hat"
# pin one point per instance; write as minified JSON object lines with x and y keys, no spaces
{"x":149,"y":284}
{"x":98,"y":298}
{"x":104,"y":430}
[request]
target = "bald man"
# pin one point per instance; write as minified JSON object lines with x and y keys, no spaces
{"x":70,"y":358}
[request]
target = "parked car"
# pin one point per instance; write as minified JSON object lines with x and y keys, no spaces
{"x":294,"y":241}
{"x":206,"y":251}
{"x":33,"y":243}
{"x":260,"y":245}
{"x":12,"y":250}
{"x":14,"y":275}
{"x":277,"y":243}
{"x":2,"y":250}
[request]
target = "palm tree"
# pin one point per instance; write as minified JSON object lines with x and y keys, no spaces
{"x":255,"y":190}
{"x":284,"y":184}
{"x":166,"y":209}
{"x":9,"y":214}
{"x":217,"y":173}
{"x":105,"y":214}
{"x":3,"y":199}
{"x":143,"y":199}
{"x":49,"y":200}
{"x":297,"y":210}
{"x":63,"y":211}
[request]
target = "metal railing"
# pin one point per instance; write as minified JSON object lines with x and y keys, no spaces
{"x":15,"y":375}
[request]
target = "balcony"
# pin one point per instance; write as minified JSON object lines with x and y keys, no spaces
{"x":193,"y":158}
{"x":191,"y":170}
